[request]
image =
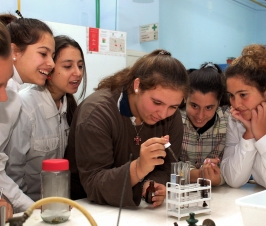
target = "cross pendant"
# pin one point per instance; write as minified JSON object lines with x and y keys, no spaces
{"x":137,"y":139}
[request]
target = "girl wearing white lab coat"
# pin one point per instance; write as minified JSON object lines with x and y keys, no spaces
{"x":245,"y":147}
{"x":6,"y":65}
{"x":42,"y":129}
{"x":32,"y":46}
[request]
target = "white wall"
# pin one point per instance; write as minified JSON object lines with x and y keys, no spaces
{"x":194,"y":31}
{"x":261,"y":25}
{"x":76,"y":12}
{"x":133,"y":14}
{"x":206,"y":30}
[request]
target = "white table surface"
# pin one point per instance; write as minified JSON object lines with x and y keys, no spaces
{"x":224,"y":211}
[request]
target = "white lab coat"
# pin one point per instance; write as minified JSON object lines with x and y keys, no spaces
{"x":9,"y":113}
{"x":243,"y":157}
{"x":40,"y":133}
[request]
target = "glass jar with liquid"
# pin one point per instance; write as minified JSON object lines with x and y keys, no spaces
{"x":55,"y":182}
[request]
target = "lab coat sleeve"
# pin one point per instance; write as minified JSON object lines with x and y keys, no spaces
{"x":17,"y":149}
{"x":261,"y":147}
{"x":259,"y":166}
{"x":239,"y":155}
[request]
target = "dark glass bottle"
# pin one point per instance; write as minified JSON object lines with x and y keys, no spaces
{"x":150,"y":192}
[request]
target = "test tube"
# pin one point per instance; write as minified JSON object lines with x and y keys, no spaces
{"x":177,"y":182}
{"x":182,"y":186}
{"x":187,"y":176}
{"x":173,"y":182}
{"x":2,"y":215}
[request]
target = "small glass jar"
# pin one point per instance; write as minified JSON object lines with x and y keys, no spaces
{"x":150,"y":192}
{"x":55,"y":182}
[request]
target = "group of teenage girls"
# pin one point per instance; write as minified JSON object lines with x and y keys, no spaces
{"x":214,"y":120}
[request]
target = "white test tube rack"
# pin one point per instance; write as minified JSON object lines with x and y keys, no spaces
{"x":184,"y":199}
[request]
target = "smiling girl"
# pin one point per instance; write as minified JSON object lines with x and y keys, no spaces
{"x":42,"y":129}
{"x":32,"y":48}
{"x":246,"y":141}
{"x":204,"y":123}
{"x":133,"y":111}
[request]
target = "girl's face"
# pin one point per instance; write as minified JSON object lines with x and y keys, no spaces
{"x":68,"y":71}
{"x":201,"y":107}
{"x":36,"y":62}
{"x":6,"y":72}
{"x":243,"y":97}
{"x":157,"y":104}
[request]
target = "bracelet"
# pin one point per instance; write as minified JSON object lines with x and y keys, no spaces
{"x":140,"y":180}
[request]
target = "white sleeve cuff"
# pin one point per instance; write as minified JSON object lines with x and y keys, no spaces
{"x":3,"y":160}
{"x":261,"y":145}
{"x":22,"y":204}
{"x":247,"y":145}
{"x":222,"y":179}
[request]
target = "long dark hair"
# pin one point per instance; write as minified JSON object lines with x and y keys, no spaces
{"x":7,"y":18}
{"x":62,"y":42}
{"x":250,"y":67}
{"x":27,"y":31}
{"x":209,"y":78}
{"x":156,"y":68}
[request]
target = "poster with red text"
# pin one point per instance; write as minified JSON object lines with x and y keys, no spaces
{"x":106,"y":42}
{"x":93,"y":39}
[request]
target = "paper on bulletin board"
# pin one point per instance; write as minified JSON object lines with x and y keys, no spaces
{"x":106,"y":42}
{"x":148,"y":32}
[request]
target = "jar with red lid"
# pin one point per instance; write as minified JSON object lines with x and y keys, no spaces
{"x":55,"y":182}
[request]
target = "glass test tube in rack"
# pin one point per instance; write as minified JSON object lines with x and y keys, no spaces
{"x":182,"y":199}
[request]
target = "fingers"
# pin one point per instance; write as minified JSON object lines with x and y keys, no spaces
{"x":258,"y":121}
{"x":236,"y":115}
{"x":210,"y":170}
{"x":214,"y":160}
{"x":160,"y":193}
{"x":166,"y":137}
{"x":157,"y":200}
{"x":152,"y":153}
{"x":216,"y":169}
{"x":231,"y":109}
{"x":154,"y":147}
{"x":145,"y":186}
{"x":156,"y":140}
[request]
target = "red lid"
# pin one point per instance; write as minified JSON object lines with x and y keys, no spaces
{"x":55,"y":164}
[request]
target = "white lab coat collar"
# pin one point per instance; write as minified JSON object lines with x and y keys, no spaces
{"x":49,"y":105}
{"x":15,"y":82}
{"x":17,"y":77}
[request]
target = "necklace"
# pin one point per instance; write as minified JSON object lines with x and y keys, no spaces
{"x":137,"y":139}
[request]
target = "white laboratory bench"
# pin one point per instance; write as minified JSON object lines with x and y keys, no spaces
{"x":224,"y":211}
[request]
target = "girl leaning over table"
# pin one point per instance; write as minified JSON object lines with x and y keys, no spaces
{"x":133,"y":111}
{"x":205,"y":117}
{"x":6,"y":65}
{"x":245,"y":150}
{"x":32,"y":48}
{"x":46,"y":114}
